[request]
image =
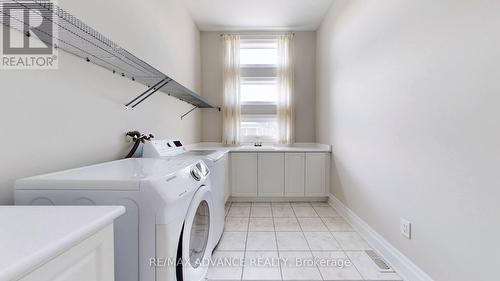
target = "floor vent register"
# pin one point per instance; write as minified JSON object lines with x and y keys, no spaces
{"x":380,"y":262}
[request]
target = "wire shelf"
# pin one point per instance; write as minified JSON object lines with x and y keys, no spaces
{"x":74,"y":36}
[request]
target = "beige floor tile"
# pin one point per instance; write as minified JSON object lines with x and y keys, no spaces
{"x":305,"y":231}
{"x":304,"y":212}
{"x":321,"y":241}
{"x":281,"y":204}
{"x":337,"y":224}
{"x":326,"y":211}
{"x":283,"y":212}
{"x":232,"y":241}
{"x":291,"y":241}
{"x":320,"y":204}
{"x":261,"y":212}
{"x":286,"y":224}
{"x":351,"y":241}
{"x":261,"y":224}
{"x":239,"y":211}
{"x":261,"y":241}
{"x":300,"y":204}
{"x":236,"y":224}
{"x":241,"y":204}
{"x":261,"y":266}
{"x":261,"y":204}
{"x":312,"y":224}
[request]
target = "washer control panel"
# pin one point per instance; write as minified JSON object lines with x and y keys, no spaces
{"x":162,"y":148}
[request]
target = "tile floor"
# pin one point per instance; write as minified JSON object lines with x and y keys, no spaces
{"x":291,"y":241}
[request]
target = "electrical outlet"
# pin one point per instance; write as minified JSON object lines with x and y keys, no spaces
{"x":405,"y":228}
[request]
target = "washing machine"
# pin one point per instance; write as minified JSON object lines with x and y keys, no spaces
{"x":215,"y":159}
{"x":167,"y":231}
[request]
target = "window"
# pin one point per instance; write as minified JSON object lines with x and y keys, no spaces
{"x":259,"y":127}
{"x":258,"y":90}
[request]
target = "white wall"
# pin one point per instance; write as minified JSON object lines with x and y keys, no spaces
{"x":74,"y":116}
{"x":408,"y":94}
{"x":211,"y":85}
{"x":305,"y":86}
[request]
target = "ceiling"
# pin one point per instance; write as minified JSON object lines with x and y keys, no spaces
{"x":216,"y":15}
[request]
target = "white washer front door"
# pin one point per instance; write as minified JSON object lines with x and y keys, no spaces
{"x":197,"y":236}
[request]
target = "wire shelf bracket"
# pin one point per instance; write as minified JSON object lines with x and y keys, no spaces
{"x":148,"y":93}
{"x":192,"y":109}
{"x":187,"y":113}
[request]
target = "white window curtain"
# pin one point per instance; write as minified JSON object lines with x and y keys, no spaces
{"x":285,"y":81}
{"x":231,"y":109}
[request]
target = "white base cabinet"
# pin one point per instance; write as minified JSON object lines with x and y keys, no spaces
{"x":279,"y":174}
{"x":244,"y":174}
{"x":316,"y":174}
{"x":271,"y":174}
{"x":90,"y":260}
{"x":294,"y":174}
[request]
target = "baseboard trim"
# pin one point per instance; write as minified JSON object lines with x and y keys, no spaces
{"x":402,"y":264}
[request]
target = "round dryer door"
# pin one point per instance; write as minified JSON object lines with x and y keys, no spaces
{"x":197,"y":236}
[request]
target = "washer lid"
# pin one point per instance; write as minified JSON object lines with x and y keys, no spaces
{"x":123,"y":174}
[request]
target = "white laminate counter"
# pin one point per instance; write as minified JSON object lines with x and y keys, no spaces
{"x":32,"y":235}
{"x":298,"y":147}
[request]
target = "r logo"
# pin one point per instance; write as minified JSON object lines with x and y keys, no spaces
{"x":36,"y":23}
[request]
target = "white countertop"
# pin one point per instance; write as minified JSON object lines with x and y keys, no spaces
{"x":297,"y":147}
{"x":32,"y":235}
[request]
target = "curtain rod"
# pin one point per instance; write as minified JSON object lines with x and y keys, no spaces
{"x":258,"y":34}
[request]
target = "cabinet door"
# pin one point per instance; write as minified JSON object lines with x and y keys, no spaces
{"x":316,"y":174}
{"x":294,"y":174}
{"x":271,"y":174}
{"x":89,"y":260}
{"x":244,"y":174}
